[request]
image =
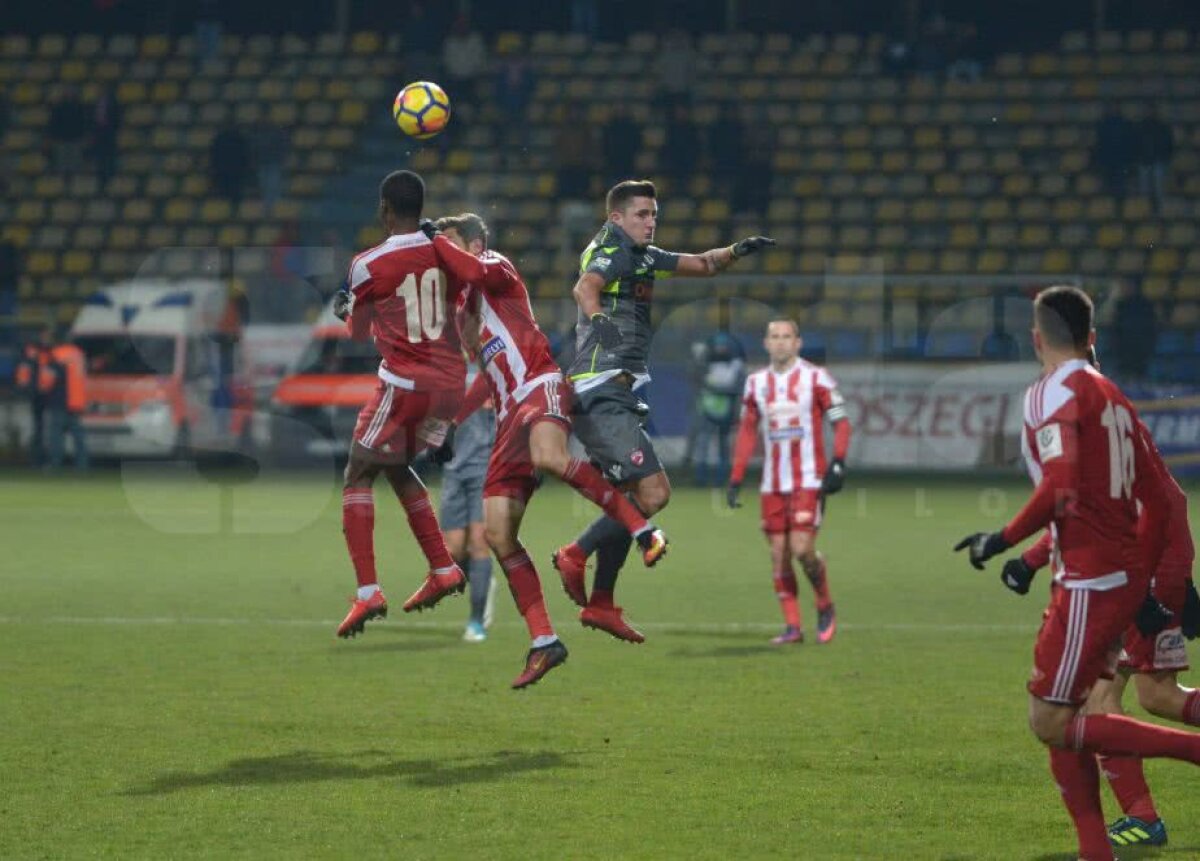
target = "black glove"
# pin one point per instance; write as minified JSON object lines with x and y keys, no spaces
{"x":427,"y":227}
{"x":731,"y":494}
{"x":984,"y":546}
{"x":1190,"y":621}
{"x":1017,"y":575}
{"x":834,"y":478}
{"x":1152,"y":617}
{"x":341,"y":305}
{"x":606,"y":331}
{"x":749,"y":245}
{"x":444,"y":453}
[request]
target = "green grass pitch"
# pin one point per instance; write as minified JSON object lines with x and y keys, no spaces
{"x":171,"y":688}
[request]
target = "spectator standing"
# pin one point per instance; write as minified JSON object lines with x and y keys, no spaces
{"x":270,"y":154}
{"x":514,"y":89}
{"x":229,"y":163}
{"x":10,"y":278}
{"x":34,"y":379}
{"x":1154,"y":146}
{"x":682,"y":143}
{"x":621,"y":140}
{"x":722,"y":372}
{"x":677,"y":65}
{"x":464,"y":57}
{"x":67,"y":131}
{"x":1134,"y":334}
{"x":208,"y":31}
{"x":1112,"y":153}
{"x":106,"y":123}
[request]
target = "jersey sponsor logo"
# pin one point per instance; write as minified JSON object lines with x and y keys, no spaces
{"x":636,"y":457}
{"x":643,"y":291}
{"x":1049,"y":442}
{"x":602,"y":263}
{"x":491,"y":349}
{"x":781,"y":434}
{"x":1170,"y":649}
{"x":803,"y":518}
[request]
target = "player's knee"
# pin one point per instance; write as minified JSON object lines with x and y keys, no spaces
{"x":1159,"y":700}
{"x":652,"y":500}
{"x":500,"y":540}
{"x":549,"y":458}
{"x":1049,"y":725}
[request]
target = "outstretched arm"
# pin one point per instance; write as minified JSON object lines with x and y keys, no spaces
{"x":717,"y":260}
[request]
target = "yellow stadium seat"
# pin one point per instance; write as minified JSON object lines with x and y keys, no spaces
{"x":40,"y":263}
{"x":964,"y":236}
{"x":51,"y":46}
{"x":162,"y":236}
{"x":78,"y":262}
{"x":1147,"y":234}
{"x":1185,"y":314}
{"x":180,"y":210}
{"x":1181,"y":234}
{"x":131,"y":91}
{"x":155,"y":46}
{"x":1034,"y":235}
{"x":1129,"y":262}
{"x":1057,"y":261}
{"x":215,"y":210}
{"x":1135,"y":209}
{"x":1165,"y":261}
{"x":992,"y":260}
{"x":1156,"y":288}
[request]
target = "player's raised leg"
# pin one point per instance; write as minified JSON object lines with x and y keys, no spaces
{"x":358,"y":528}
{"x":444,"y":577}
{"x":502,"y":518}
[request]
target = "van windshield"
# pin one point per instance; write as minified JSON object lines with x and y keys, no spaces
{"x":338,"y":356}
{"x":128,"y":355}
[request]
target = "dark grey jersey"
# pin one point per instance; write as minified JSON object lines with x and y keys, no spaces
{"x":629,"y":272}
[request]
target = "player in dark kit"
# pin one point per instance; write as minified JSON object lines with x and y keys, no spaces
{"x":1092,"y":471}
{"x":614,"y":292}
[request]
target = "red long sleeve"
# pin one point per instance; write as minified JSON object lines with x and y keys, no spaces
{"x":743,"y":448}
{"x":1038,"y":556}
{"x":841,"y":438}
{"x":477,"y":395}
{"x":463,"y":265}
{"x":359,"y":321}
{"x":1150,"y":490}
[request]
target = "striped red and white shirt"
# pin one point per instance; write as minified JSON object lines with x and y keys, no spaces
{"x":789,"y":409}
{"x":513,"y":351}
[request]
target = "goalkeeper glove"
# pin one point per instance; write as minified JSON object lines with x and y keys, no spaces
{"x":731,"y":494}
{"x":1152,"y":617}
{"x":983,"y":546}
{"x":749,"y":245}
{"x":1017,"y":575}
{"x":342,"y":301}
{"x":834,"y":478}
{"x":444,"y":453}
{"x":606,"y":331}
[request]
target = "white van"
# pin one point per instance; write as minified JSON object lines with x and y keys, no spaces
{"x":162,"y":376}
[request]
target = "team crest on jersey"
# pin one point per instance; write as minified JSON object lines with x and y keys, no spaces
{"x":779,"y":434}
{"x":636,"y":457}
{"x":1049,"y":442}
{"x":491,"y":349}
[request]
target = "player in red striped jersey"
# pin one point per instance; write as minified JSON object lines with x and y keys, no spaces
{"x":1154,"y":658}
{"x":789,"y":400}
{"x":401,"y":293}
{"x":1093,"y":471}
{"x":533,"y":408}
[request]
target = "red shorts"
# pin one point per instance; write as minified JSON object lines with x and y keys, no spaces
{"x":510,"y":470}
{"x":1079,"y":641}
{"x":798,"y":511}
{"x":400,"y":422}
{"x":1168,"y":649}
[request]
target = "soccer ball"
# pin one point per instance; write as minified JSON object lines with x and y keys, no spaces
{"x":421,"y":109}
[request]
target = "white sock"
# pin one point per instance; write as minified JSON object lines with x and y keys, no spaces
{"x":544,"y":640}
{"x":365,"y":592}
{"x":444,"y":570}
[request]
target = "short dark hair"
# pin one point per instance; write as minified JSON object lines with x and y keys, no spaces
{"x":623,"y":192}
{"x":404,"y":193}
{"x":1063,"y":315}
{"x":468,"y":225}
{"x":789,"y":320}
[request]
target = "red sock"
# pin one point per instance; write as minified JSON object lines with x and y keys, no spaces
{"x":785,"y":589}
{"x":1117,"y":735}
{"x":1191,"y":708}
{"x":424,"y":525}
{"x":358,"y":525}
{"x":1128,"y":781}
{"x":527,"y":592}
{"x":1078,"y":779}
{"x":590,"y":484}
{"x":601,"y":598}
{"x":815,"y":572}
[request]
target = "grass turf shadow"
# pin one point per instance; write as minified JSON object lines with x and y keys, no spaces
{"x":310,"y":767}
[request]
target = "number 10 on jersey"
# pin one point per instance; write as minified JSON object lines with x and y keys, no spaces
{"x":426,"y":313}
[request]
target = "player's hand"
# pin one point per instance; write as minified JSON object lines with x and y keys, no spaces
{"x":731,"y":494}
{"x":444,"y":453}
{"x":834,"y":478}
{"x":750,"y":245}
{"x":983,"y":546}
{"x":1190,"y":619}
{"x":426,"y":226}
{"x":606,"y":331}
{"x":341,"y":305}
{"x":1152,"y":617}
{"x":1017,"y":575}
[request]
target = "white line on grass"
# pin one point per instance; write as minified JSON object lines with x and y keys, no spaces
{"x":681,"y":627}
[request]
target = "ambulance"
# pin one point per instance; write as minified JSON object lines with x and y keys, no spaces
{"x":314,"y":407}
{"x":164,"y":375}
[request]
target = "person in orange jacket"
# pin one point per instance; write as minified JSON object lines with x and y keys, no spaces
{"x":67,"y":403}
{"x":34,"y":379}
